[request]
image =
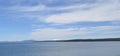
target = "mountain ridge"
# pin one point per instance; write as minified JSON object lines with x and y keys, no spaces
{"x":82,"y":40}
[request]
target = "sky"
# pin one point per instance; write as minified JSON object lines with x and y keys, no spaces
{"x":59,"y":19}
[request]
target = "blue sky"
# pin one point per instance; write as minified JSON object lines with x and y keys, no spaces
{"x":59,"y":19}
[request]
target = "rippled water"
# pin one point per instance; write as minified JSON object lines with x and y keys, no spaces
{"x":60,"y":49}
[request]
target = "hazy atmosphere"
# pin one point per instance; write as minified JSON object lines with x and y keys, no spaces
{"x":59,"y":19}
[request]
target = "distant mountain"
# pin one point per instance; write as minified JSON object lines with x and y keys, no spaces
{"x":83,"y":40}
{"x":71,"y":40}
{"x":28,"y":41}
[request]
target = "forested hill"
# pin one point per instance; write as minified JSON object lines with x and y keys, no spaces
{"x":84,"y":40}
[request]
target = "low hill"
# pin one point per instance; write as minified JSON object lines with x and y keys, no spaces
{"x":84,"y":40}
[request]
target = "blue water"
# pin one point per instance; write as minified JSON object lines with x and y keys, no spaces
{"x":60,"y":49}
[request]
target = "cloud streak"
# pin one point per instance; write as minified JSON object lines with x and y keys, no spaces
{"x":68,"y":33}
{"x":108,"y":11}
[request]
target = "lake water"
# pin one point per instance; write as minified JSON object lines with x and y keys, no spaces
{"x":60,"y":49}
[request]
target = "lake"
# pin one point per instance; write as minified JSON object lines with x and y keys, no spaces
{"x":60,"y":49}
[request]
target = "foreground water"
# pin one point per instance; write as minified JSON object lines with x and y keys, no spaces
{"x":60,"y":49}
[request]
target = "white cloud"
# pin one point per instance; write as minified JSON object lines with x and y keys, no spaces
{"x":100,"y":11}
{"x":41,"y":7}
{"x":28,"y":8}
{"x":83,"y":32}
{"x":51,"y":33}
{"x":108,"y":11}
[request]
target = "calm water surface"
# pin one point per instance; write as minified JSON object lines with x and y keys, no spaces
{"x":60,"y":49}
